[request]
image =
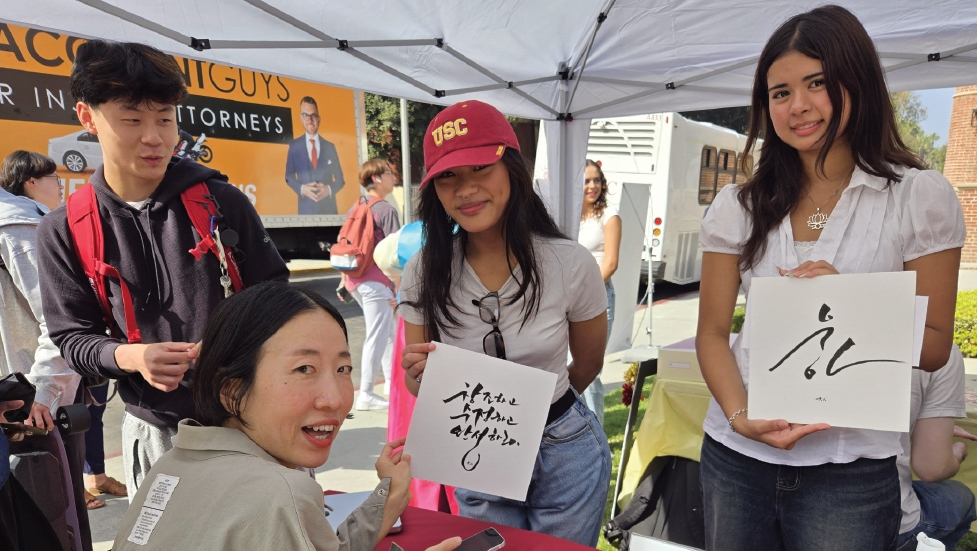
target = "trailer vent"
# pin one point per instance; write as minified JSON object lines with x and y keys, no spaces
{"x":688,"y":248}
{"x":635,"y":138}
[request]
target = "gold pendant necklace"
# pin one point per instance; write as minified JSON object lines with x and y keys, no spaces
{"x":818,"y":220}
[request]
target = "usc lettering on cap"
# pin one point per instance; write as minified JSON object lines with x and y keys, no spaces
{"x":448,"y":130}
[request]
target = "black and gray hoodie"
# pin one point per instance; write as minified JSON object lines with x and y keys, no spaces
{"x":173,"y":293}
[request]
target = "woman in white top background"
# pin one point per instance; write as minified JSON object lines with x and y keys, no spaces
{"x":835,"y":191}
{"x":600,"y":233}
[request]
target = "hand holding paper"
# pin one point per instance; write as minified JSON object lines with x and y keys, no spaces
{"x":834,"y":349}
{"x":777,"y":433}
{"x":414,"y":360}
{"x":395,"y":466}
{"x":478,"y":421}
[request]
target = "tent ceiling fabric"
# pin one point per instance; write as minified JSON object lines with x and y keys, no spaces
{"x":641,"y":46}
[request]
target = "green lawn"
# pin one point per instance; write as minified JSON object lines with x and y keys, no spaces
{"x":616,"y":415}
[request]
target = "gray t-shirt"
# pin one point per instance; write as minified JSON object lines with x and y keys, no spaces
{"x":572,"y":291}
{"x":937,"y":394}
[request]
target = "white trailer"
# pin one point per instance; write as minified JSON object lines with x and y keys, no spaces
{"x":685,"y":163}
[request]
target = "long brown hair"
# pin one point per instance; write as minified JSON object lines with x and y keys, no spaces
{"x":525,"y":218}
{"x":601,"y":203}
{"x":834,"y":36}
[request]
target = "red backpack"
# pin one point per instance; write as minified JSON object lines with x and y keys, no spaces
{"x":353,"y":252}
{"x":85,"y":226}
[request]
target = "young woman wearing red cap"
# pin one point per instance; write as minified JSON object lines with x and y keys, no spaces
{"x":497,"y":276}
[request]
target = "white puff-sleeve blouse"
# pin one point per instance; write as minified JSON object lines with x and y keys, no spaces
{"x":873,"y":228}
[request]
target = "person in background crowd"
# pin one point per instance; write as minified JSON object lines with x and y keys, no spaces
{"x":127,"y":95}
{"x":30,"y":189}
{"x":832,"y":164}
{"x":374,"y":291}
{"x":23,"y":526}
{"x":273,"y":387}
{"x":942,"y":508}
{"x":97,"y":482}
{"x":600,"y":233}
{"x":497,"y":276}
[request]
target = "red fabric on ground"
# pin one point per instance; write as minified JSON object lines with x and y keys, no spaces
{"x":423,"y":529}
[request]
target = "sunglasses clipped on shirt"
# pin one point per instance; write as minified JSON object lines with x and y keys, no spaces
{"x":488,"y":309}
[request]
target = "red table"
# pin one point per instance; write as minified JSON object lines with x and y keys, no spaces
{"x":423,"y":528}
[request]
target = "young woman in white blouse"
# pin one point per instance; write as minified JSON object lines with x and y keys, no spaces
{"x":496,"y":276}
{"x":600,"y":233}
{"x":835,"y":191}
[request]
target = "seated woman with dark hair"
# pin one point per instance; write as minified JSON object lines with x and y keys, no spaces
{"x":272,"y":388}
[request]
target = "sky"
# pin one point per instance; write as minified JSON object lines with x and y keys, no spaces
{"x":938,"y":104}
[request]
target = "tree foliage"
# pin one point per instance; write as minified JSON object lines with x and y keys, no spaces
{"x":383,"y":130}
{"x":910,"y":113}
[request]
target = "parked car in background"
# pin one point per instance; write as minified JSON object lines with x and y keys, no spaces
{"x":76,"y":151}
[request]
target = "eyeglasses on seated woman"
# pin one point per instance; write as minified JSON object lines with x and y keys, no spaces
{"x":272,"y":388}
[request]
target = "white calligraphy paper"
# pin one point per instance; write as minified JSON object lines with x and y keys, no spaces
{"x":478,"y":422}
{"x":646,"y":543}
{"x":833,"y":349}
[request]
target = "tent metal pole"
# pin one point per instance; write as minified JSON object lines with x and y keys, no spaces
{"x":620,"y":82}
{"x":392,"y":43}
{"x":711,"y":90}
{"x":669,"y":86}
{"x":473,"y":89}
{"x":308,"y":44}
{"x":719,"y":71}
{"x":939,"y":56}
{"x":619,"y":101}
{"x":391,"y":71}
{"x":276,"y":44}
{"x":295,"y":22}
{"x":405,"y":164}
{"x":586,"y":55}
{"x":551,"y":78}
{"x":464,"y":59}
{"x":136,"y":20}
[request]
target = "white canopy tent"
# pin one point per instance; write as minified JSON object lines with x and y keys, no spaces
{"x":556,"y":60}
{"x":560,"y":61}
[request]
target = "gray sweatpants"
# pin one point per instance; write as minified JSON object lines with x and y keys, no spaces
{"x":142,"y":446}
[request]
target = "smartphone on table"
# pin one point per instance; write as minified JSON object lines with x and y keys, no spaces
{"x":486,"y":540}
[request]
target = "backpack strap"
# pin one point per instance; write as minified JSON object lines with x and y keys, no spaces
{"x":201,"y":207}
{"x":85,"y":226}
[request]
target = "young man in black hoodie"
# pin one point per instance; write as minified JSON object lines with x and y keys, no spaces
{"x":127,"y":95}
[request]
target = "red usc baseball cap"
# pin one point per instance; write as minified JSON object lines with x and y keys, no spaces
{"x":465,"y":134}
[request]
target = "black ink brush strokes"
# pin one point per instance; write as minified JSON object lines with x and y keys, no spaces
{"x":473,"y":413}
{"x":809,"y":372}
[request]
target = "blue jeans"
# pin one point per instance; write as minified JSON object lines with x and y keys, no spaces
{"x":752,"y":505}
{"x":94,"y":442}
{"x":946,"y":510}
{"x":593,"y":395}
{"x":568,"y":490}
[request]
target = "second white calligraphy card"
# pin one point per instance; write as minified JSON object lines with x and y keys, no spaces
{"x":478,"y":422}
{"x":833,"y":349}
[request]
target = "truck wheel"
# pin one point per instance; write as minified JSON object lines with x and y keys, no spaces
{"x":206,"y":154}
{"x":74,"y":161}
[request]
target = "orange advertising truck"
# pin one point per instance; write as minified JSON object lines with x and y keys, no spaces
{"x":252,"y":126}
